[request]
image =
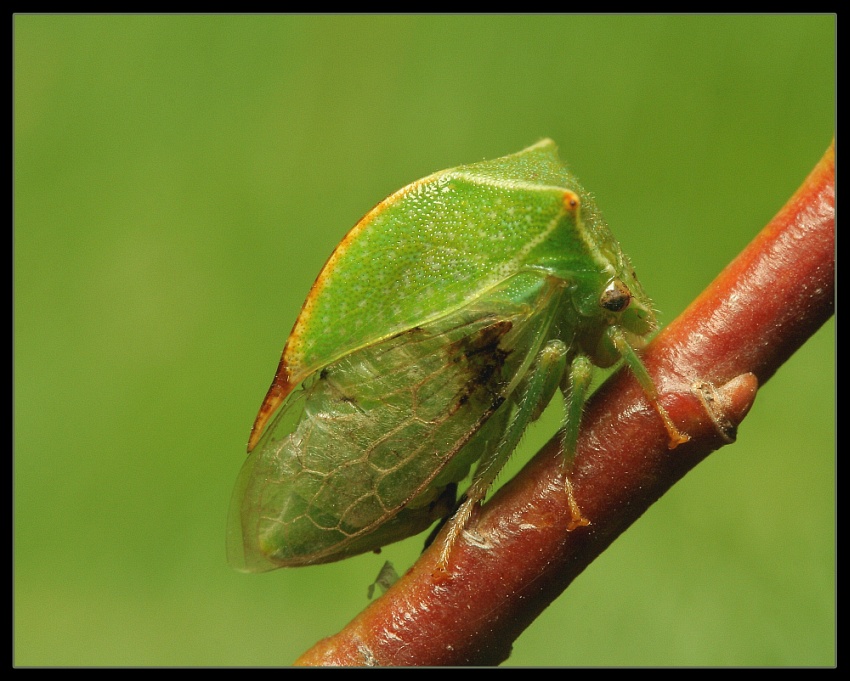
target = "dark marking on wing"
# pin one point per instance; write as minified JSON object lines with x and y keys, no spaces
{"x":483,"y":360}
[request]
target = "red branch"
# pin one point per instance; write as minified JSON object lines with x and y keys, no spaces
{"x":517,"y":556}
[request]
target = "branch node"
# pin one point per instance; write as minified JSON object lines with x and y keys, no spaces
{"x":728,"y":405}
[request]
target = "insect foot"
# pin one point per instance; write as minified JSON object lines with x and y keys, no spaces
{"x":456,"y":526}
{"x":677,"y":437}
{"x":578,"y":519}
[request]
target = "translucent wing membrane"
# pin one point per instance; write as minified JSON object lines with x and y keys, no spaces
{"x":367,"y":451}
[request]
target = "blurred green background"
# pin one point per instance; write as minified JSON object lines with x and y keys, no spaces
{"x":180,"y":180}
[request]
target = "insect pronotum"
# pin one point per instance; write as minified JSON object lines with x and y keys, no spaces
{"x":439,"y":328}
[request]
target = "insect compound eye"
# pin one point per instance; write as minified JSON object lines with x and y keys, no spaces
{"x":616,"y":296}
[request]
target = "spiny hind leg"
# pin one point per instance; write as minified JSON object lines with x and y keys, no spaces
{"x":542,"y":383}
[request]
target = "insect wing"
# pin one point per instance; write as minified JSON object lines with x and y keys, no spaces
{"x":367,"y":450}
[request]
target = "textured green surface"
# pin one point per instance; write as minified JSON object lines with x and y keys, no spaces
{"x":179,"y":181}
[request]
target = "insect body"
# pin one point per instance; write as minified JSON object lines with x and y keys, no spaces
{"x":436,"y":332}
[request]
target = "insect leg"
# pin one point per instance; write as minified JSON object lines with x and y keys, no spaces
{"x":580,"y":375}
{"x":631,"y":358}
{"x":540,"y":386}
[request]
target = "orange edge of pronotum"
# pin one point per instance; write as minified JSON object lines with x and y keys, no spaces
{"x":280,"y":388}
{"x":285,"y":378}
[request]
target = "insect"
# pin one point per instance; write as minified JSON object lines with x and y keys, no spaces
{"x":437,"y":331}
